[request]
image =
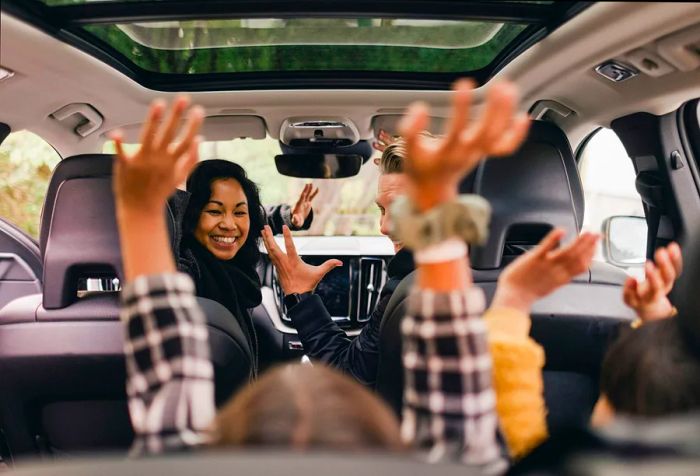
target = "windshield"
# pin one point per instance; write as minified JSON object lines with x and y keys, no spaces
{"x":343,"y":207}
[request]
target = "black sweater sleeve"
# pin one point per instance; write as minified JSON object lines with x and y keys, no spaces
{"x":325,"y":341}
{"x":278,"y":215}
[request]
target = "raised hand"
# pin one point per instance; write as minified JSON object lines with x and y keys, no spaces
{"x":436,"y":165}
{"x":144,"y":180}
{"x":543,"y":270}
{"x":295,"y":276}
{"x":302,"y":208}
{"x":383,"y":141}
{"x":649,"y":299}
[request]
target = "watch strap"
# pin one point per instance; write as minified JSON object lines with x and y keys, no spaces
{"x":291,"y":300}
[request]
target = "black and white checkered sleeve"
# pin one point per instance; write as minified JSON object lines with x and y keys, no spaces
{"x":169,"y":374}
{"x":449,"y":401}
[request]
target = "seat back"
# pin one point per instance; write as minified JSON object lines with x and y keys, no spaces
{"x":20,"y":264}
{"x":61,"y":351}
{"x":531,"y":192}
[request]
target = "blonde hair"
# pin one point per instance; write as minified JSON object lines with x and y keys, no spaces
{"x":304,"y":407}
{"x":391,"y":161}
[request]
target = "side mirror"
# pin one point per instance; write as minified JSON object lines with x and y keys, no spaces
{"x":625,"y":240}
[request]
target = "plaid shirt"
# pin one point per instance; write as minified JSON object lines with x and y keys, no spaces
{"x":449,"y":401}
{"x":170,"y":379}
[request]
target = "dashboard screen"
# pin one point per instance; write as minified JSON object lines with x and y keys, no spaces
{"x":334,"y":288}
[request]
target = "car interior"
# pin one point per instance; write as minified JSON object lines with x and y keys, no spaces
{"x":73,"y":71}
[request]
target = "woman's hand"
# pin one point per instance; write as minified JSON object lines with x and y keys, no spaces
{"x":649,"y":299}
{"x":435,"y":166}
{"x":144,"y":180}
{"x":543,"y":270}
{"x":301,"y":210}
{"x":295,"y":276}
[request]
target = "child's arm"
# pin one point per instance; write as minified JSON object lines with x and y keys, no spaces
{"x":169,"y":374}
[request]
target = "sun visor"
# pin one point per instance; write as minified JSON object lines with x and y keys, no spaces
{"x":215,"y":128}
{"x":390,"y":123}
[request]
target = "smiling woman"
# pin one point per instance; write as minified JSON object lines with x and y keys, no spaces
{"x":343,"y":207}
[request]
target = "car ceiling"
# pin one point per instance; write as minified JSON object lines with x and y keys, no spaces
{"x":50,"y":74}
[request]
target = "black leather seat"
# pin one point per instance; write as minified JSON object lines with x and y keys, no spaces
{"x":536,"y":189}
{"x":61,"y":360}
{"x":20,"y":263}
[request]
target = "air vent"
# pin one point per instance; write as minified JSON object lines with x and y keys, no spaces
{"x":370,"y":282}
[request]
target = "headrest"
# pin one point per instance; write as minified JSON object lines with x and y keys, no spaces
{"x":79,"y":235}
{"x":530,"y":192}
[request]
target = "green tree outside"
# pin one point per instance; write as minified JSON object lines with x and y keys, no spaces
{"x":26,"y":162}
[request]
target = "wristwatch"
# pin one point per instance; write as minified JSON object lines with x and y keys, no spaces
{"x":291,"y":300}
{"x":466,"y":218}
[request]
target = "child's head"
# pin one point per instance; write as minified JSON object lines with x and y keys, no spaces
{"x":651,"y":372}
{"x":303,"y":407}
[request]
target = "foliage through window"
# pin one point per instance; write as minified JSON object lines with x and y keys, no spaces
{"x":26,"y":162}
{"x":343,"y":207}
{"x":308,"y":44}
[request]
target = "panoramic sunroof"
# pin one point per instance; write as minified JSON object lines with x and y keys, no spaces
{"x":308,"y":44}
{"x":186,"y":45}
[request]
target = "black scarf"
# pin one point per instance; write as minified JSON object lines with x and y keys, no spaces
{"x":398,"y":268}
{"x":233,"y":283}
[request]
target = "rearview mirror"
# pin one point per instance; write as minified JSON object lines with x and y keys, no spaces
{"x":322,"y":166}
{"x":625,"y":240}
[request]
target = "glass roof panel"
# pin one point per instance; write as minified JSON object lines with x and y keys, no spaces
{"x":308,"y":44}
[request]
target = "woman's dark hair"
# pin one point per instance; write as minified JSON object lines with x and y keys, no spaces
{"x":199,"y":185}
{"x":651,"y":372}
{"x":307,"y":407}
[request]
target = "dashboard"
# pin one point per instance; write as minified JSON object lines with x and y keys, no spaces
{"x":350,"y":292}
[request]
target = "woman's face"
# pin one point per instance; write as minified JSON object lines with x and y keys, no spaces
{"x":224,"y":222}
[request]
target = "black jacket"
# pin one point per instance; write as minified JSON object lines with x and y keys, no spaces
{"x":325,"y":341}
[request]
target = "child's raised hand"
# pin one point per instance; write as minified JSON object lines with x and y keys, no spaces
{"x":144,"y":180}
{"x":435,"y":165}
{"x":649,"y":299}
{"x":543,"y":270}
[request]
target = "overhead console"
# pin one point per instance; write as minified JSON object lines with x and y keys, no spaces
{"x":312,"y":131}
{"x":679,"y":51}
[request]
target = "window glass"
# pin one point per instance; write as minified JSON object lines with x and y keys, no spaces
{"x":26,"y":162}
{"x":608,"y":180}
{"x":343,"y":207}
{"x":308,"y":44}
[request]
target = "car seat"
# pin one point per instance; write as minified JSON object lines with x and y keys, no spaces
{"x":61,"y":357}
{"x":531,"y":192}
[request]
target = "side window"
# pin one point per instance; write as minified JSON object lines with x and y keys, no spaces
{"x":613,"y":206}
{"x":26,"y":162}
